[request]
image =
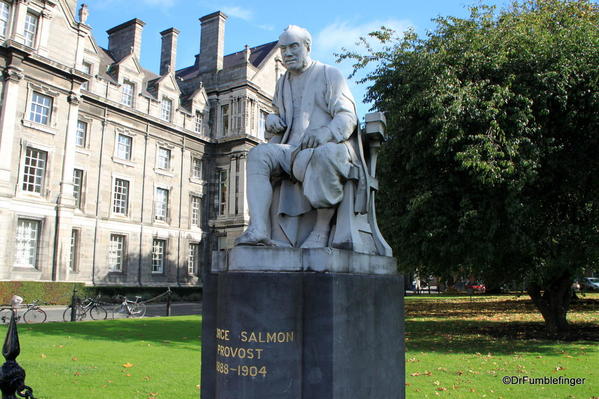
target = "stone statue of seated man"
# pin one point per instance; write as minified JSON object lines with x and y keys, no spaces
{"x":312,"y":154}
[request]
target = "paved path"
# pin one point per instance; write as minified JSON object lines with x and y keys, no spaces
{"x":55,"y":313}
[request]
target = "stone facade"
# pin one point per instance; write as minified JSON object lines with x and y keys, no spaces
{"x":109,"y":173}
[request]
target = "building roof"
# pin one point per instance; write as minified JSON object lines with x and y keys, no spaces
{"x":257,"y":55}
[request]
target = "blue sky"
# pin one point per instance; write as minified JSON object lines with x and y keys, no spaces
{"x":333,"y":24}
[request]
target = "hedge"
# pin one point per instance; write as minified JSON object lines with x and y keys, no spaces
{"x":52,"y":293}
{"x":58,"y":293}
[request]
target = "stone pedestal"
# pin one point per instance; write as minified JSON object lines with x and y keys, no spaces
{"x":302,"y":334}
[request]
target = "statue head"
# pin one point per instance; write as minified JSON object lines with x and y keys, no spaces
{"x":295,"y":44}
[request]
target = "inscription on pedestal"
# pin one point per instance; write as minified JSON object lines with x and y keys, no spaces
{"x":246,"y":353}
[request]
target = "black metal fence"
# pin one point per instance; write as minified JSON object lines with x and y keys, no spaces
{"x":12,"y":375}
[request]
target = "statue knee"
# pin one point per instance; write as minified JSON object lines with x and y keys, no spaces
{"x":331,"y":154}
{"x":261,"y":159}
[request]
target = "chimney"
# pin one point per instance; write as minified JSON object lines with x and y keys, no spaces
{"x":126,"y":39}
{"x":168,"y":53}
{"x":212,"y":42}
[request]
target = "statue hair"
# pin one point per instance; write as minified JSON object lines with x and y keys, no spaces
{"x":301,"y":32}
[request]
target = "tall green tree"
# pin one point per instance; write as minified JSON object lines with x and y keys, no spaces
{"x":492,"y":162}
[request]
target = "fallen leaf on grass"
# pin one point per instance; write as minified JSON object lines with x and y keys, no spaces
{"x":77,"y":374}
{"x":74,"y":358}
{"x":43,"y":356}
{"x":127,"y":365}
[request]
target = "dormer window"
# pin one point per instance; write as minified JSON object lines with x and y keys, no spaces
{"x":198,"y":122}
{"x":166,"y":109}
{"x":4,"y":17}
{"x":30,"y":30}
{"x":127,"y":94}
{"x":87,"y":68}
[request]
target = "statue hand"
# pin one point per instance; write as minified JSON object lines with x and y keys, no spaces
{"x":316,"y":137}
{"x":274,"y":124}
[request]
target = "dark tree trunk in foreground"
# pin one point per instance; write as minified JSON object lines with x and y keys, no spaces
{"x":553,"y":301}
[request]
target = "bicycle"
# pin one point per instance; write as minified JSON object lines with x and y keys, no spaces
{"x":90,"y":306}
{"x":33,"y":314}
{"x":130,"y":308}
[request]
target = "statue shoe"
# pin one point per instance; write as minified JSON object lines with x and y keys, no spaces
{"x":253,"y":237}
{"x":316,"y":239}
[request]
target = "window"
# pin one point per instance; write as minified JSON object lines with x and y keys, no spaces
{"x":77,"y":186}
{"x":34,"y":170}
{"x":161,"y":204}
{"x":196,"y":206}
{"x":252,"y":111}
{"x":199,"y":121}
{"x":196,"y":168}
{"x":27,"y":242}
{"x":87,"y":68}
{"x":158,"y":250}
{"x":164,"y":158}
{"x":222,"y":191}
{"x":127,"y":94}
{"x":123,"y":146}
{"x":30,"y":31}
{"x":4,"y":17}
{"x":81,"y":136}
{"x":120,"y":202}
{"x":262,"y":124}
{"x":166,"y":109}
{"x":225,"y":118}
{"x":116,"y":253}
{"x":192,"y":258}
{"x":74,"y":259}
{"x":237,"y":182}
{"x":237,"y":115}
{"x":41,"y":108}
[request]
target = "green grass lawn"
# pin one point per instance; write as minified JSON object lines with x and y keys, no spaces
{"x":461,"y":347}
{"x":116,"y":359}
{"x":457,"y":347}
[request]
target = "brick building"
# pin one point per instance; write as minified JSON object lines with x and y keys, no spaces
{"x":111,"y":174}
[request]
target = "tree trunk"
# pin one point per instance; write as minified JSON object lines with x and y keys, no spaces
{"x":553,"y":300}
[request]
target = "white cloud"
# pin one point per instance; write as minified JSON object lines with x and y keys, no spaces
{"x":345,"y":34}
{"x":266,"y":27}
{"x":238,"y":12}
{"x":161,"y":3}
